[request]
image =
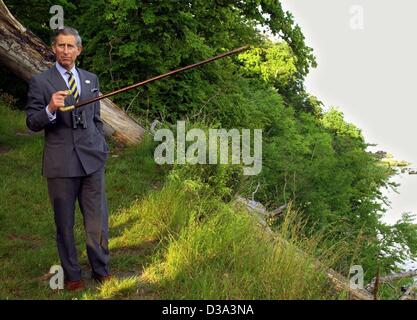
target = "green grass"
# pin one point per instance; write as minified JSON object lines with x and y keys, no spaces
{"x":392,"y":291}
{"x":168,"y":239}
{"x":230,"y":257}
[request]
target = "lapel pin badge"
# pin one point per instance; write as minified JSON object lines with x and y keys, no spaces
{"x":87,"y":81}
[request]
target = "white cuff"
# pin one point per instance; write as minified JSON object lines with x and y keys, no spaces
{"x":51,"y":116}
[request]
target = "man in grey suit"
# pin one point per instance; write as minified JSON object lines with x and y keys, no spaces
{"x":74,"y":156}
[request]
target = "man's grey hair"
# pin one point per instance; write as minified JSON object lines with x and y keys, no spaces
{"x":67,"y":31}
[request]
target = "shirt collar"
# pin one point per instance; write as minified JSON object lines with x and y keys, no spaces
{"x":63,"y":71}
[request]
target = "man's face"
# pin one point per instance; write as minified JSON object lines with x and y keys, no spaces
{"x":66,"y":50}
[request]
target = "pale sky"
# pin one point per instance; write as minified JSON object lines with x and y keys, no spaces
{"x":367,"y":68}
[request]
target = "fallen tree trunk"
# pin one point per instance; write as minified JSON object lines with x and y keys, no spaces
{"x":25,"y":54}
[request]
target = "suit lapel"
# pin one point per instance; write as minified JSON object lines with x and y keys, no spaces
{"x":56,"y":80}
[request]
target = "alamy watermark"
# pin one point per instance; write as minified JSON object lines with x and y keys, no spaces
{"x":356,"y":280}
{"x":57,"y":20}
{"x":56,"y":282}
{"x":357,"y":17}
{"x":213,"y":149}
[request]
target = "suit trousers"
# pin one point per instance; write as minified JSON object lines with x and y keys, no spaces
{"x":89,"y":190}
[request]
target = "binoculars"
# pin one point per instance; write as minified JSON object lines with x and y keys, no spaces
{"x":79,"y":119}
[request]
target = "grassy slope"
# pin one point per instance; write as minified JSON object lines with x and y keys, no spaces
{"x":166,"y":240}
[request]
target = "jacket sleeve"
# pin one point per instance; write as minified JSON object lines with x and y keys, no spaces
{"x":97,"y":118}
{"x":36,"y":116}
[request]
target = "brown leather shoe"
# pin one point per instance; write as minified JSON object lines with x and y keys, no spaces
{"x":74,"y":285}
{"x":102,"y":279}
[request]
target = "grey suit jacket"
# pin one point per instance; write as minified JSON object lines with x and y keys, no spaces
{"x":68,"y":152}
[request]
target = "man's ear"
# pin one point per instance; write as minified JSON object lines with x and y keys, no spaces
{"x":80,"y":49}
{"x":53,"y":48}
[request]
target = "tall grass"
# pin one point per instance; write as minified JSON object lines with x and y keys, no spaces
{"x":213,"y":250}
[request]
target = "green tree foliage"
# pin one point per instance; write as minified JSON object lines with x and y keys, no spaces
{"x":274,"y":63}
{"x":34,"y":14}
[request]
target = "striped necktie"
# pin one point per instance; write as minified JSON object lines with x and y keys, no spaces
{"x":73,"y":85}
